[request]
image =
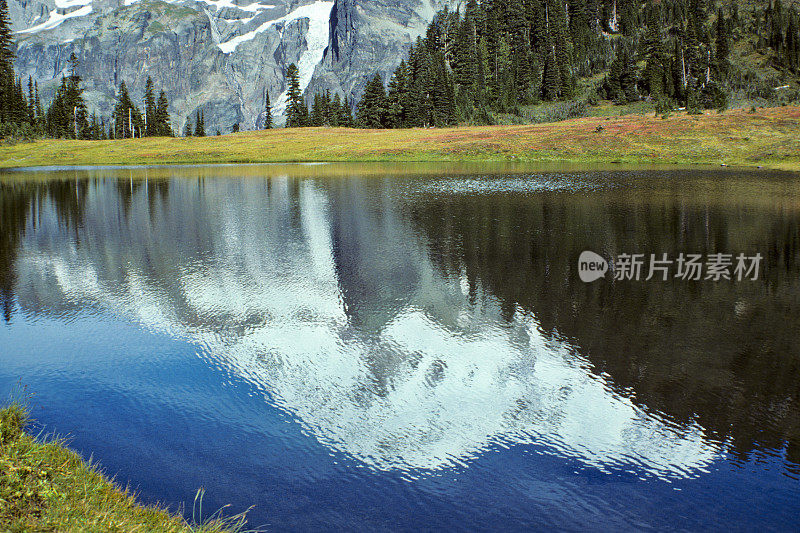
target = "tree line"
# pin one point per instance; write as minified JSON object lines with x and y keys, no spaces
{"x":67,"y":115}
{"x":495,"y":56}
{"x":499,"y":55}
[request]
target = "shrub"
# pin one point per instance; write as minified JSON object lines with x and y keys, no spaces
{"x":719,"y":99}
{"x":561,"y":111}
{"x":13,"y":133}
{"x":663,"y":106}
{"x":693,"y":105}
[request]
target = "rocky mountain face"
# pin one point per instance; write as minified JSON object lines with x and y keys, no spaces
{"x":368,"y":36}
{"x":217,"y":56}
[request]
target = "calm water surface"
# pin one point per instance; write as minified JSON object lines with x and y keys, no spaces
{"x":348,"y":347}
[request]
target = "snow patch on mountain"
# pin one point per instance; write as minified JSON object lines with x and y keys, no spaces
{"x":255,"y":7}
{"x":318,"y":15}
{"x":64,"y":4}
{"x":57,"y":18}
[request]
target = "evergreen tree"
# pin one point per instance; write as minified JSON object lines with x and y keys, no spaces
{"x":267,"y":112}
{"x":723,"y":47}
{"x":7,"y":88}
{"x":346,"y":115}
{"x":67,"y":115}
{"x":318,"y":111}
{"x":793,"y":41}
{"x":94,"y":128}
{"x":372,"y":109}
{"x":6,"y":43}
{"x":39,"y":110}
{"x":443,"y":93}
{"x":491,"y":42}
{"x":305,"y":118}
{"x":503,"y":73}
{"x":335,"y":110}
{"x":296,"y":109}
{"x":501,"y":54}
{"x":552,"y":75}
{"x":327,"y":108}
{"x":126,"y":116}
{"x":582,"y":33}
{"x":31,"y":101}
{"x":19,"y":112}
{"x":693,"y":100}
{"x":417,"y":100}
{"x":15,"y":106}
{"x":622,"y":81}
{"x":465,"y":54}
{"x":483,"y":74}
{"x":655,"y":67}
{"x":397,"y":98}
{"x":188,"y":131}
{"x":161,"y":117}
{"x":559,"y":31}
{"x":200,"y":125}
{"x":151,"y":125}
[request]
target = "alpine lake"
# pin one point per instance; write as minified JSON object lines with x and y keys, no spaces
{"x":411,"y":347}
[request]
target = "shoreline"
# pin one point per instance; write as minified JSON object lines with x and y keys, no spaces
{"x":768,"y":138}
{"x":45,"y":486}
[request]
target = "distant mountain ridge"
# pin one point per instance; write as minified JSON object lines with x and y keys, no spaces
{"x":216,"y":56}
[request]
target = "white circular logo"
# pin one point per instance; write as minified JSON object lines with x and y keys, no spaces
{"x":591,"y":266}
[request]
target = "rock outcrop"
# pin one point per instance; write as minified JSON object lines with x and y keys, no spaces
{"x":369,"y":36}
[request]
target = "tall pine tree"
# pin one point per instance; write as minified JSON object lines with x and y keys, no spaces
{"x":200,"y":124}
{"x":161,"y":117}
{"x":296,"y":109}
{"x":372,"y":110}
{"x":267,"y":112}
{"x":151,"y":126}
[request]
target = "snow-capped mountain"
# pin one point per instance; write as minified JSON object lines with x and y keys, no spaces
{"x":218,"y":56}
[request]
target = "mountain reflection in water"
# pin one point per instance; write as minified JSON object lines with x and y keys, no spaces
{"x":413,"y":324}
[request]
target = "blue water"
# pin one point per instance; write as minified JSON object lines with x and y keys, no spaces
{"x":316,"y":348}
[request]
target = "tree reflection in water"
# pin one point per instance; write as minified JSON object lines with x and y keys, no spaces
{"x":414,"y":322}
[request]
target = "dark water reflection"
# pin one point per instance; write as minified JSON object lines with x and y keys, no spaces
{"x":352,"y":347}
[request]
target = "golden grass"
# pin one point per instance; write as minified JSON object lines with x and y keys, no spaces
{"x":768,"y":138}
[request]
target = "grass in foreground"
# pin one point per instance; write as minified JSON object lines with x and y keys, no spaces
{"x":768,"y":137}
{"x":46,"y":487}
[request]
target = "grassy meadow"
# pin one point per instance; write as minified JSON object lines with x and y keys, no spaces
{"x":46,"y":487}
{"x":767,"y":137}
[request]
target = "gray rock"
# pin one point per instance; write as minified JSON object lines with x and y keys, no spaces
{"x":369,"y":36}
